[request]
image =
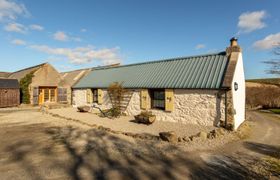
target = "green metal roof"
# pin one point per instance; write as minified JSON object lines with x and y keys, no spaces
{"x":196,"y":72}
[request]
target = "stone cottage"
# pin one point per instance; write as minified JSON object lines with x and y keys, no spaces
{"x":47,"y":85}
{"x":204,"y":89}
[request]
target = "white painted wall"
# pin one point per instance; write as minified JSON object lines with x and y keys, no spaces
{"x":79,"y":97}
{"x":239,"y":95}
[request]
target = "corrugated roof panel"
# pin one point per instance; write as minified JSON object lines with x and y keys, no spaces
{"x":216,"y":75}
{"x":203,"y":74}
{"x":198,"y":72}
{"x":199,"y":78}
{"x":211,"y":73}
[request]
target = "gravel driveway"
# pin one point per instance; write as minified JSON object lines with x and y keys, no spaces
{"x":36,"y":146}
{"x":127,"y":124}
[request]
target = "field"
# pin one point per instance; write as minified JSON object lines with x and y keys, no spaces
{"x":275,"y":81}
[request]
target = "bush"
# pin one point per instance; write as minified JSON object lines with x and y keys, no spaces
{"x":276,"y":111}
{"x":117,"y":94}
{"x":24,"y":88}
{"x":114,"y":112}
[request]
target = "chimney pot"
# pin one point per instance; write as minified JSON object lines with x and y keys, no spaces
{"x":234,"y":47}
{"x":233,"y":41}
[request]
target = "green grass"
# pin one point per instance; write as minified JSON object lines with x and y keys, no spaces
{"x":276,"y":111}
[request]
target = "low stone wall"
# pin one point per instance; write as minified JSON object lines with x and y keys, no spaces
{"x":202,"y":107}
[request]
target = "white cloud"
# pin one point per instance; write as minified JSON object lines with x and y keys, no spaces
{"x":15,"y":27}
{"x":18,"y":42}
{"x":251,"y":21}
{"x":60,"y":36}
{"x":36,"y":27}
{"x":268,"y":42}
{"x":82,"y":55}
{"x":10,"y":10}
{"x":200,"y":46}
{"x":83,"y":30}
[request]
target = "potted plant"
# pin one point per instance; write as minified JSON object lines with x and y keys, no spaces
{"x":145,"y":117}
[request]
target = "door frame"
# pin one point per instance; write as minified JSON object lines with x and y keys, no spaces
{"x":42,"y":93}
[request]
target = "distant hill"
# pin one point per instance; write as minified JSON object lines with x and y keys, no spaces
{"x":271,"y":81}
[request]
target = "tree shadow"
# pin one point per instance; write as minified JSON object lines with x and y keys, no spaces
{"x":96,"y":154}
{"x":265,"y":149}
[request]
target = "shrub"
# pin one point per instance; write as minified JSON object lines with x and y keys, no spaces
{"x":24,"y":87}
{"x":116,"y":93}
{"x":114,"y":112}
{"x":276,"y":111}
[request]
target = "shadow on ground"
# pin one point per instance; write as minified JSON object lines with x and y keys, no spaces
{"x":68,"y":152}
{"x":265,"y":149}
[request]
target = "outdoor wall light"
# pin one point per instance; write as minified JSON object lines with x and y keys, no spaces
{"x":235,"y":86}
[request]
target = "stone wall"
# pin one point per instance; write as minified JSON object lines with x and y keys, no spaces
{"x":190,"y":106}
{"x":203,"y":107}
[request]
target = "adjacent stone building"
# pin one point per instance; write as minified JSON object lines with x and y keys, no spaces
{"x":203,"y":89}
{"x":47,"y":85}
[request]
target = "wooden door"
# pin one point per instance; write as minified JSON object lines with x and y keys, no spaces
{"x":47,"y":95}
{"x":41,"y":96}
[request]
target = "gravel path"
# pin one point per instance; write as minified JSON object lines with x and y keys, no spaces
{"x":37,"y":146}
{"x":126,"y":124}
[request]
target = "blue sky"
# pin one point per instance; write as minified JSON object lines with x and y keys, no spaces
{"x":77,"y":34}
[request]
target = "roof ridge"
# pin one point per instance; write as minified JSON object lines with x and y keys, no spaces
{"x":163,"y":60}
{"x":92,"y":68}
{"x":75,"y":70}
{"x":29,"y":68}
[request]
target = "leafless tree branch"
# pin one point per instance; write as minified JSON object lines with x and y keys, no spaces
{"x":274,"y":64}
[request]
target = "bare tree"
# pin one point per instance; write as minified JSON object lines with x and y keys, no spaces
{"x":274,"y":64}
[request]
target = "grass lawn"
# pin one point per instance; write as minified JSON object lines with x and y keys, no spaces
{"x":276,"y":111}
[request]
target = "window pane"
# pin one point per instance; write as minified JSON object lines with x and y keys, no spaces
{"x":159,"y":103}
{"x":95,"y":95}
{"x":158,"y":99}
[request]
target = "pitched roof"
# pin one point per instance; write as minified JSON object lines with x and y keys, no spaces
{"x":71,"y":77}
{"x":21,"y":73}
{"x":195,"y":72}
{"x":9,"y":83}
